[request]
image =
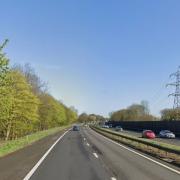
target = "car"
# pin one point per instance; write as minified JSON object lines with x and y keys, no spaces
{"x":148,"y":134}
{"x":75,"y":128}
{"x":105,"y":126}
{"x":85,"y":125}
{"x":110,"y":125}
{"x":166,"y":134}
{"x":118,"y":128}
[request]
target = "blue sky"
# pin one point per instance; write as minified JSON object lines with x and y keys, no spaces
{"x":97,"y":55}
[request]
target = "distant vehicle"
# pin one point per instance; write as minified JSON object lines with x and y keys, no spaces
{"x":110,"y":125}
{"x":166,"y":134}
{"x":148,"y":134}
{"x":75,"y":128}
{"x":105,"y":126}
{"x":85,"y":125}
{"x":118,"y":128}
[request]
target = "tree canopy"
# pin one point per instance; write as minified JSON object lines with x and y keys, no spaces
{"x":135,"y":112}
{"x":170,"y":114}
{"x":25,"y":104}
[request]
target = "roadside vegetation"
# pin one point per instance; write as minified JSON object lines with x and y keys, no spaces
{"x":13,"y":145}
{"x":26,"y":106}
{"x":170,"y":114}
{"x":90,"y":118}
{"x":141,"y":112}
{"x":135,"y":112}
{"x":161,"y":150}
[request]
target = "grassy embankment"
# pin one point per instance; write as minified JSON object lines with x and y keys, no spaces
{"x":155,"y":148}
{"x":7,"y":147}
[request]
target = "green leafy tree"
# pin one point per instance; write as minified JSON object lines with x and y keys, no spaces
{"x":71,"y":115}
{"x":83,"y":118}
{"x":25,"y":105}
{"x":19,"y":106}
{"x":52,"y":113}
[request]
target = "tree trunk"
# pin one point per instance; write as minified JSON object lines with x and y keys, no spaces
{"x":8,"y":132}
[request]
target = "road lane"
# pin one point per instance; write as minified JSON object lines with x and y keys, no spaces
{"x":86,"y":155}
{"x":71,"y":159}
{"x":175,"y":141}
{"x":126,"y":165}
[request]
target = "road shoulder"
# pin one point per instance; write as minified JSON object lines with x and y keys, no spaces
{"x":16,"y":165}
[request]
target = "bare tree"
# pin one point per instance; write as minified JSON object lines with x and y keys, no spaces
{"x":38,"y":86}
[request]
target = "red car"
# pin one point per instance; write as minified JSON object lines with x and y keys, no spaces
{"x":148,"y":134}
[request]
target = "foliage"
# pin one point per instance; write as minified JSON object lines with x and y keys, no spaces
{"x":18,"y":106}
{"x":52,"y":113}
{"x":170,"y":114}
{"x":13,"y":145}
{"x":71,"y":114}
{"x":38,"y":86}
{"x":135,"y":112}
{"x":4,"y":62}
{"x":85,"y":118}
{"x":25,"y":105}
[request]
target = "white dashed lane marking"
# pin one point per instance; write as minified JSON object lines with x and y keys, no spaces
{"x":139,"y":154}
{"x":95,"y":155}
{"x":113,"y":178}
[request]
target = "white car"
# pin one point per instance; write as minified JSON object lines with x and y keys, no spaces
{"x":118,"y":128}
{"x":166,"y":134}
{"x":105,"y":126}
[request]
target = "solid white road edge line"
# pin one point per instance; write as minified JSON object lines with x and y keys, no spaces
{"x":95,"y":155}
{"x":31,"y":172}
{"x":152,"y":160}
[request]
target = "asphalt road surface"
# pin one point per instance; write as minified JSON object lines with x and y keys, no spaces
{"x":86,"y":155}
{"x":175,"y":141}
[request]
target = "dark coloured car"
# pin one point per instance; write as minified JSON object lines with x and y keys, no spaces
{"x":75,"y":128}
{"x":148,"y":134}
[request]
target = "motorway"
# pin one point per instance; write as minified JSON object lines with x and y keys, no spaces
{"x":86,"y":155}
{"x":175,"y":141}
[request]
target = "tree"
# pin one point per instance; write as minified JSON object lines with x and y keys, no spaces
{"x":145,"y":104}
{"x":52,"y":113}
{"x":83,"y":118}
{"x":18,"y":106}
{"x":170,"y":114}
{"x":71,"y":114}
{"x":38,"y":86}
{"x":4,"y":64}
{"x":25,"y":105}
{"x":135,"y":112}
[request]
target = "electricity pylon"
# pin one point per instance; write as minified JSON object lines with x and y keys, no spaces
{"x":4,"y":44}
{"x":176,"y":94}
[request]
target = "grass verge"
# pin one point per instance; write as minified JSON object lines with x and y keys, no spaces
{"x":163,"y":151}
{"x":14,"y":145}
